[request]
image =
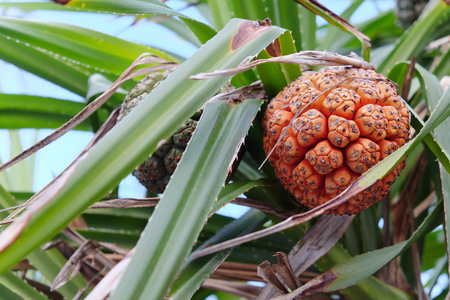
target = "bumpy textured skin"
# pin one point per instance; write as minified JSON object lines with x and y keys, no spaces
{"x":154,"y":173}
{"x":140,"y":91}
{"x":323,"y":131}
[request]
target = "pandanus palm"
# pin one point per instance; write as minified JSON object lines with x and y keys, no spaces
{"x":125,"y":249}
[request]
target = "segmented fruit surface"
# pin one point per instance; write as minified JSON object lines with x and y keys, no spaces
{"x":154,"y":173}
{"x":326,"y":128}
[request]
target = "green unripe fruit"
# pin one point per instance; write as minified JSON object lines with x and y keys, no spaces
{"x":154,"y":173}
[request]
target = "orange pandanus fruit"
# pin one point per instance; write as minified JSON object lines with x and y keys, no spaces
{"x":326,"y":128}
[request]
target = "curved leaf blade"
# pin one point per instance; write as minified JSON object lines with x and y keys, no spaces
{"x":133,"y":139}
{"x":416,"y":37}
{"x":186,"y":284}
{"x":25,"y":111}
{"x":233,"y":190}
{"x":194,"y":187}
{"x":134,"y":7}
{"x":340,"y":23}
{"x":140,"y":7}
{"x":20,"y":287}
{"x":64,"y":54}
{"x":366,"y":264}
{"x":432,"y":91}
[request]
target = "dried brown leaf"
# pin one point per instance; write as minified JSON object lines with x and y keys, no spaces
{"x":274,"y":48}
{"x":151,"y":202}
{"x":408,"y":79}
{"x":266,"y":272}
{"x":23,"y":265}
{"x":63,"y":247}
{"x":284,"y":269}
{"x":12,"y":208}
{"x":312,"y":58}
{"x":73,"y":265}
{"x":248,"y":31}
{"x":438,"y":43}
{"x":236,"y":272}
{"x":235,"y":288}
{"x":253,"y":91}
{"x":315,"y":7}
{"x":317,"y":285}
{"x":126,"y":203}
{"x":90,"y":271}
{"x":111,"y":280}
{"x":81,"y":240}
{"x":113,"y":257}
{"x":316,"y":242}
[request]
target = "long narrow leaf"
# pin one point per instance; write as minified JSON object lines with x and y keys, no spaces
{"x":416,"y":37}
{"x":308,"y":28}
{"x":130,"y":142}
{"x":165,"y":244}
{"x":7,"y":294}
{"x":139,"y":7}
{"x":19,"y":286}
{"x":122,"y":6}
{"x":359,"y":267}
{"x":202,"y":31}
{"x":340,"y":23}
{"x":288,"y":16}
{"x":233,"y":190}
{"x":252,"y":10}
{"x":276,"y":76}
{"x":64,"y":54}
{"x":432,"y":91}
{"x":25,"y":111}
{"x":335,"y":38}
{"x":220,"y":12}
{"x":177,"y":27}
{"x":186,"y":284}
{"x":443,"y":67}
